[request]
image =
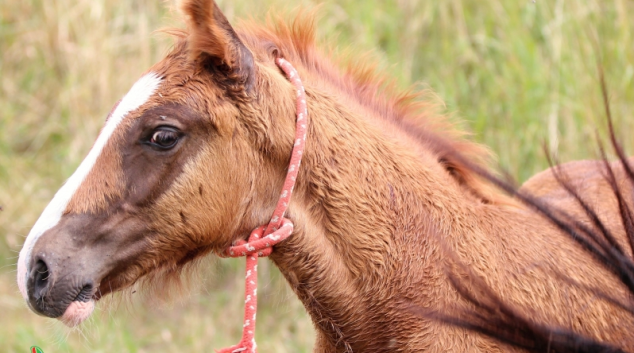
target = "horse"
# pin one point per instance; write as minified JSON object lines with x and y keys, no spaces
{"x":193,"y":158}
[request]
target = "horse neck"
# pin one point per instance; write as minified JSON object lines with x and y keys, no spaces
{"x":365,"y":208}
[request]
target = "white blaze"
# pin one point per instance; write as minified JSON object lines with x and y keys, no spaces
{"x":140,"y":92}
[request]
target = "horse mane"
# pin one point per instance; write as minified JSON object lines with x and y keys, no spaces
{"x":416,"y":112}
{"x":493,"y":316}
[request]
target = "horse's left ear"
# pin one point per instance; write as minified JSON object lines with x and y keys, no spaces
{"x":212,"y":39}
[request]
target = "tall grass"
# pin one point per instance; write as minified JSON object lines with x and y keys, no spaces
{"x":515,"y":73}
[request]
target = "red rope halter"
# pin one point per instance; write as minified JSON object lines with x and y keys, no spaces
{"x":263,"y":238}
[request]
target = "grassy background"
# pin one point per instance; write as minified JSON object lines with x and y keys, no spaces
{"x":516,"y":73}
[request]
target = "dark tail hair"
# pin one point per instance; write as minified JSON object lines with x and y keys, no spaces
{"x":492,"y":316}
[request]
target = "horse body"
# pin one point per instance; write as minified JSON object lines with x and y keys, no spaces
{"x":379,"y":202}
{"x":376,"y":254}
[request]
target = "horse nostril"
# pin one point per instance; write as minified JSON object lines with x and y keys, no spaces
{"x":41,"y":276}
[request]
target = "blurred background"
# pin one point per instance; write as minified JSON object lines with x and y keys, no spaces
{"x":517,"y":74}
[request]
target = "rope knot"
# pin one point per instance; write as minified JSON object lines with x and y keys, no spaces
{"x":259,"y":243}
{"x":262,"y":239}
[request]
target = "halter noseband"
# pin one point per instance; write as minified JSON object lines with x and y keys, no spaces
{"x":263,"y":238}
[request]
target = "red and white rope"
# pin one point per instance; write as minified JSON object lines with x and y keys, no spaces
{"x":262,"y":239}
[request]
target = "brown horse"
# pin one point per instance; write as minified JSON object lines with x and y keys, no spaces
{"x":193,"y":158}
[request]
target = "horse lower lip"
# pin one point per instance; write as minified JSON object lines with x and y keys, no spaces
{"x":77,"y":312}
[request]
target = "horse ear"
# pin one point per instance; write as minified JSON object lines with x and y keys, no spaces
{"x":212,"y":39}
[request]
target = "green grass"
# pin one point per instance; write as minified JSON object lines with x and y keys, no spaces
{"x":517,"y":74}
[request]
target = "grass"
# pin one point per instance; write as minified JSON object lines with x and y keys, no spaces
{"x":517,"y":74}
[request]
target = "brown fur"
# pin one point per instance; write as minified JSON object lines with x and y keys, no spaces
{"x":494,"y":316}
{"x":381,"y":196}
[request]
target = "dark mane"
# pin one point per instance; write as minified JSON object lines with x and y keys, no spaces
{"x":496,"y":317}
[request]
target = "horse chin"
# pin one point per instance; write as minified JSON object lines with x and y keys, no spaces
{"x":77,"y":312}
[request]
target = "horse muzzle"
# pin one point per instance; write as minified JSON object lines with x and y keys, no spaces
{"x":57,"y":276}
{"x":55,"y":289}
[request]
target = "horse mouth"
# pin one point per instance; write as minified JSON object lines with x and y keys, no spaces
{"x":110,"y":284}
{"x":97,"y":296}
{"x":85,"y":294}
{"x":80,"y":307}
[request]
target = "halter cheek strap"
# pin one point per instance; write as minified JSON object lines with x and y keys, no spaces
{"x":262,"y":239}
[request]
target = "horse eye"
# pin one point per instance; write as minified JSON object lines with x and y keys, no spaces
{"x":164,"y":138}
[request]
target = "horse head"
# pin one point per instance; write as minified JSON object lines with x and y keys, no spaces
{"x":187,"y":162}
